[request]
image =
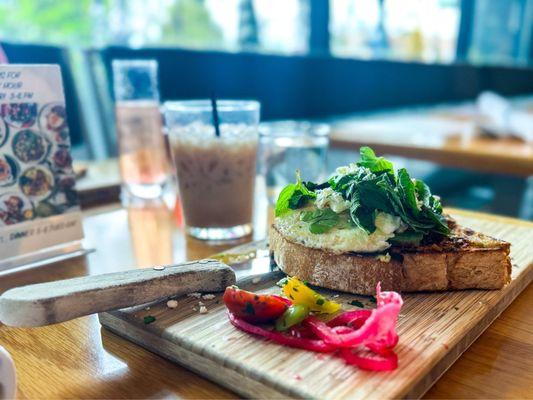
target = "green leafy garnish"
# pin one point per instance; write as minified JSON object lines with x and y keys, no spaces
{"x":314,"y":186}
{"x":356,"y":303}
{"x":148,"y":319}
{"x":293,"y":196}
{"x":407,"y":238}
{"x":375,"y":187}
{"x":249,"y":308}
{"x":373,"y":163}
{"x":372,"y":186}
{"x":320,"y":220}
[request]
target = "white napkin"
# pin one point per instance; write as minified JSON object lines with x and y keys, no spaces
{"x":501,"y":119}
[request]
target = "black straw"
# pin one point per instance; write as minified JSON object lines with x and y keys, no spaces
{"x":215,"y":114}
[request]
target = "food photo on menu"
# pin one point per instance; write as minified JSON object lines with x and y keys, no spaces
{"x":36,"y":174}
{"x":272,"y":199}
{"x":39,"y":205}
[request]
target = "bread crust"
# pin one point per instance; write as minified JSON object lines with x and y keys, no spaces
{"x":467,"y":260}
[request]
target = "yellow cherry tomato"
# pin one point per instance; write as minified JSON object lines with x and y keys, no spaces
{"x":300,"y":293}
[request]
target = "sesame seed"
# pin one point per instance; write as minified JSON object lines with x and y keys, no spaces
{"x":203,"y":310}
{"x":208,"y":296}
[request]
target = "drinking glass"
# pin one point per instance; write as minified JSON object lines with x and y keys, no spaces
{"x":143,"y":160}
{"x":216,"y":173}
{"x":288,"y":146}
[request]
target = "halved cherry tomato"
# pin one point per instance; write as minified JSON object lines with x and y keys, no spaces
{"x":254,"y":307}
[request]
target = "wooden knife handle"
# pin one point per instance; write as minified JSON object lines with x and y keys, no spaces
{"x":52,"y":302}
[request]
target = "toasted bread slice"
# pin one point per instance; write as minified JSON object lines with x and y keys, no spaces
{"x":465,"y":260}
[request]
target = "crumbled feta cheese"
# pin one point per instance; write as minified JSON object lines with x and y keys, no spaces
{"x":340,"y":240}
{"x":203,"y":310}
{"x":347,"y":169}
{"x":208,"y":296}
{"x":196,"y":295}
{"x":332,"y":199}
{"x":387,"y":223}
{"x":172,"y":303}
{"x":200,"y":303}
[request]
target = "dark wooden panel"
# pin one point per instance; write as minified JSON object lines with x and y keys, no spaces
{"x":319,"y":86}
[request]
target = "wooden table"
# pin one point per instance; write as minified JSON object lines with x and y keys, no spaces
{"x":82,"y":360}
{"x":447,"y":136}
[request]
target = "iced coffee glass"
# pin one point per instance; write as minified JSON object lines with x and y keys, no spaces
{"x":216,"y":172}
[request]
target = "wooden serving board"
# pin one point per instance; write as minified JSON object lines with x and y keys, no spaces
{"x":434,"y":328}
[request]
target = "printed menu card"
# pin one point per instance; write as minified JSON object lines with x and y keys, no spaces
{"x":39,"y":210}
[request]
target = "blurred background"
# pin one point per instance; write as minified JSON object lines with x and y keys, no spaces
{"x":406,"y":73}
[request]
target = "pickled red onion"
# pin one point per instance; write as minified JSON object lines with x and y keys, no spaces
{"x":278,"y":337}
{"x":379,"y":328}
{"x":371,"y":362}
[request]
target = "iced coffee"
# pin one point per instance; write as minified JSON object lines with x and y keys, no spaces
{"x":216,"y":174}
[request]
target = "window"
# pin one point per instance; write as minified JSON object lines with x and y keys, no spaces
{"x":435,"y":31}
{"x":502,"y":32}
{"x":424,"y":30}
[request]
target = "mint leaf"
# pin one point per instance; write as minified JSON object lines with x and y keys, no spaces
{"x":282,"y":204}
{"x":407,"y":238}
{"x":407,"y":188}
{"x":320,"y":220}
{"x":362,"y":216}
{"x":292,"y":197}
{"x":373,"y":163}
{"x":356,"y":303}
{"x":315,"y":186}
{"x":423,"y":193}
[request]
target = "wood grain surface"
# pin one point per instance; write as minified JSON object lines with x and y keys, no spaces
{"x":437,"y":137}
{"x":434,"y":328}
{"x":80,"y":359}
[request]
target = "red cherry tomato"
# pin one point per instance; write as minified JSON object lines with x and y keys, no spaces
{"x":253,"y":307}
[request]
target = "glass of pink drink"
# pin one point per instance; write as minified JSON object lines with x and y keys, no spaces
{"x":143,"y":160}
{"x":216,"y":174}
